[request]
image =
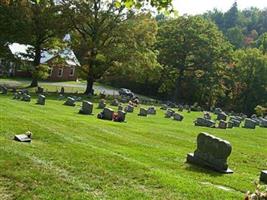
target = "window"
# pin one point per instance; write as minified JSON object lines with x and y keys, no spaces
{"x":72,"y":70}
{"x":60,"y":72}
{"x":50,"y":71}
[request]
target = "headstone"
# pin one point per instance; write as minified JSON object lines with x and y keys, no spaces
{"x":217,"y":111}
{"x":169,"y":113}
{"x":40,"y":90}
{"x":27,"y":137}
{"x":120,"y":107}
{"x":108,"y":113}
{"x":87,"y":108}
{"x":41,"y":99}
{"x":25,"y":91}
{"x":70,"y":101}
{"x":26,"y":97}
{"x":204,"y":122}
{"x":120,"y":117}
{"x":180,"y":108}
{"x":222,"y":116}
{"x":62,"y":91}
{"x":211,"y":152}
{"x":129,"y":108}
{"x":222,"y":124}
{"x":115,"y":102}
{"x":151,"y":111}
{"x":3,"y":90}
{"x":230,"y":124}
{"x":207,"y":115}
{"x":102,"y":104}
{"x":143,"y":112}
{"x":177,"y":117}
{"x":249,"y":123}
{"x":263,"y":123}
{"x":164,"y":107}
{"x":263,"y":176}
{"x":17,"y":95}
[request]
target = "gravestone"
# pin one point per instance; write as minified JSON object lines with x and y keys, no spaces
{"x":230,"y":124}
{"x":102,"y":104}
{"x":263,"y":123}
{"x":87,"y":108}
{"x":164,"y":107}
{"x":3,"y":90}
{"x":180,"y":108}
{"x":120,"y":116}
{"x":41,"y":99}
{"x":249,"y":123}
{"x":143,"y":112}
{"x":120,"y":107}
{"x":108,"y":113}
{"x":27,"y":137}
{"x":211,"y":152}
{"x":177,"y":117}
{"x":217,"y":111}
{"x":26,"y":97}
{"x":70,"y":101}
{"x":263,"y":176}
{"x":204,"y":122}
{"x":115,"y":102}
{"x":207,"y":115}
{"x":25,"y":91}
{"x":169,"y":113}
{"x":17,"y":95}
{"x":222,"y":116}
{"x":129,"y":108}
{"x":40,"y":90}
{"x":151,"y":111}
{"x":222,"y":124}
{"x":62,"y":91}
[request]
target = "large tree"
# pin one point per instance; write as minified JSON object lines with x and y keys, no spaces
{"x":37,"y":23}
{"x":193,"y":52}
{"x":98,"y":27}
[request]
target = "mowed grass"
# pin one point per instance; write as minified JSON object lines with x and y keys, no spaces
{"x":75,"y":156}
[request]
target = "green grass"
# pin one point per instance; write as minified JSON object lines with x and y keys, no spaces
{"x":76,"y":156}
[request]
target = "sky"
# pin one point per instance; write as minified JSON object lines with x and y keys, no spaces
{"x":193,"y":7}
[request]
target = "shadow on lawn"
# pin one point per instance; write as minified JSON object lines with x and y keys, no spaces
{"x":202,"y":170}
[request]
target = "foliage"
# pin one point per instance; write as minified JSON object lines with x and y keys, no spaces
{"x":193,"y":52}
{"x":260,"y":111}
{"x":259,"y":194}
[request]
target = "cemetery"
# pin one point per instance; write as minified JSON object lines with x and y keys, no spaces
{"x":134,"y":100}
{"x":227,"y":152}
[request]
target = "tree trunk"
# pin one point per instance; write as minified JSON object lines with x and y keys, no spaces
{"x":89,"y":86}
{"x":36,"y":63}
{"x":34,"y":82}
{"x":178,"y":82}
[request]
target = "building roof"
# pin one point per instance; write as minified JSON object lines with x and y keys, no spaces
{"x":24,"y":52}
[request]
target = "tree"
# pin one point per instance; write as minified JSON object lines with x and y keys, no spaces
{"x":98,"y":29}
{"x":192,"y":51}
{"x":251,"y":78}
{"x":37,"y":23}
{"x":231,"y":17}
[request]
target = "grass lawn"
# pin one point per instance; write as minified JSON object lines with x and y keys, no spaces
{"x":76,"y":156}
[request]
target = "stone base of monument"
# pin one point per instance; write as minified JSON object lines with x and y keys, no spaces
{"x":192,"y":159}
{"x":22,"y":138}
{"x":263,"y":176}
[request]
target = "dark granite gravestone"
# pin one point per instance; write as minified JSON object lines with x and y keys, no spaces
{"x":151,"y":111}
{"x":143,"y":112}
{"x":221,"y":116}
{"x":3,"y":89}
{"x":236,"y":123}
{"x":17,"y":95}
{"x":177,"y":117}
{"x":121,"y":116}
{"x":204,"y":122}
{"x":129,"y":108}
{"x":41,"y":99}
{"x":164,"y":107}
{"x":169,"y":113}
{"x":230,"y":124}
{"x":102,"y":104}
{"x":207,"y":115}
{"x":26,"y":97}
{"x":108,"y":113}
{"x":222,"y":124}
{"x":180,"y":108}
{"x":62,"y":91}
{"x":115,"y":102}
{"x":87,"y":108}
{"x":211,"y":152}
{"x":249,"y":123}
{"x":263,"y":176}
{"x":263,"y":122}
{"x":70,"y":101}
{"x":217,"y":111}
{"x":27,"y":137}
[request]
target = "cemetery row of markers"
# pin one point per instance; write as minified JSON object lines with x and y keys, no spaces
{"x":211,"y":152}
